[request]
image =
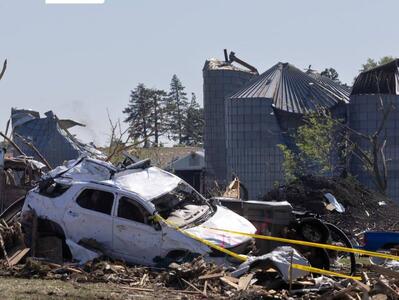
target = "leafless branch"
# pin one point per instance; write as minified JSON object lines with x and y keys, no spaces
{"x":12,"y":143}
{"x":4,"y":69}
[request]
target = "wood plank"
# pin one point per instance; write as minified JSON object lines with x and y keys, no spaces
{"x":17,"y":256}
{"x":361,"y":285}
{"x":244,"y":281}
{"x":228,"y":282}
{"x":210,"y":276}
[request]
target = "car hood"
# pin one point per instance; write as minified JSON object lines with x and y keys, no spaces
{"x":226,"y":219}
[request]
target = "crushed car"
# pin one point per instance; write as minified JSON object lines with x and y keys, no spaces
{"x":89,"y":199}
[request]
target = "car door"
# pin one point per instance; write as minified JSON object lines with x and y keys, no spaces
{"x":89,"y":216}
{"x":135,"y":239}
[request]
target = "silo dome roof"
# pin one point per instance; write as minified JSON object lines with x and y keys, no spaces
{"x":293,"y":90}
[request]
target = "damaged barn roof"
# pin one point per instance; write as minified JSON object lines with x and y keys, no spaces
{"x":293,"y":90}
{"x":379,"y":80}
{"x":49,"y":135}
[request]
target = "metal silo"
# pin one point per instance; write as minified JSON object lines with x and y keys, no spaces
{"x":365,"y":116}
{"x":221,"y":78}
{"x":265,"y":113}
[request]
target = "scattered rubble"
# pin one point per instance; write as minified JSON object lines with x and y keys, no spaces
{"x":268,"y":277}
{"x":362,"y":209}
{"x":199,"y":279}
{"x":17,"y":176}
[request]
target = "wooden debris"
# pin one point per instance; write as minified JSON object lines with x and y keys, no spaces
{"x":204,"y":291}
{"x":244,"y":281}
{"x":211,"y":276}
{"x":227,"y":280}
{"x":17,"y":256}
{"x":365,"y":278}
{"x":191,"y":285}
{"x":361,"y":285}
{"x":384,"y":271}
{"x":379,"y":297}
{"x":34,"y":233}
{"x":3,"y":249}
{"x":387,"y":289}
{"x":143,"y":279}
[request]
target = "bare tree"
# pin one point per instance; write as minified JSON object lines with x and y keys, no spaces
{"x":371,"y":153}
{"x":373,"y":156}
{"x":121,"y":140}
{"x":3,"y":70}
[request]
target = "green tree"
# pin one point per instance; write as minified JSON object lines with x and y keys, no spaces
{"x":194,"y":123}
{"x":371,"y":63}
{"x":138,"y":114}
{"x":158,"y":113}
{"x":315,"y":142}
{"x":177,"y":109}
{"x":330,"y":73}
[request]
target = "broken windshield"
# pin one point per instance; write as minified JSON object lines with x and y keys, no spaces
{"x":182,"y":206}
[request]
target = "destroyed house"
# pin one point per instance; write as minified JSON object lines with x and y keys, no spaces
{"x":257,"y":116}
{"x":49,"y":135}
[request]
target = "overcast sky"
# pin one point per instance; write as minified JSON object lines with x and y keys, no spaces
{"x":79,"y":60}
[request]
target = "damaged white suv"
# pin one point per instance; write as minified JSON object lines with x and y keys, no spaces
{"x":115,"y":206}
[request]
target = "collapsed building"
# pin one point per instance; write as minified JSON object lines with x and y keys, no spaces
{"x":17,"y":176}
{"x":248,"y":115}
{"x":49,"y":136}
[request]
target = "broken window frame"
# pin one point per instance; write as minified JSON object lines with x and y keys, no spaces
{"x":202,"y":218}
{"x":145,"y":213}
{"x":86,"y":188}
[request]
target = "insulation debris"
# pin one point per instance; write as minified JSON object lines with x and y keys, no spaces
{"x":281,"y":259}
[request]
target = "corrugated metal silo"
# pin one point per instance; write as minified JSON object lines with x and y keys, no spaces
{"x":264,"y":114}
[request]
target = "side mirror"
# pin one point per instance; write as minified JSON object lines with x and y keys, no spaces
{"x":157,"y":226}
{"x":155,"y":223}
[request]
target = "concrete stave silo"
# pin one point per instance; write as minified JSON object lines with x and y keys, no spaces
{"x":221,"y":78}
{"x":371,"y":88}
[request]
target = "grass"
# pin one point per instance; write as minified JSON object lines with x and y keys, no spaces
{"x":18,"y":288}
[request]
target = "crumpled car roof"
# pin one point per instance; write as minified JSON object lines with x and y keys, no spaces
{"x":147,"y":183}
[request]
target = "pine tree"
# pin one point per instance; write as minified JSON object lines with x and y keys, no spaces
{"x":138,"y":114}
{"x":158,"y":113}
{"x":177,"y":109}
{"x":194,"y":123}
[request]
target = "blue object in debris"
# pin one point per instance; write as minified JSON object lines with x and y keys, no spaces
{"x":377,"y":240}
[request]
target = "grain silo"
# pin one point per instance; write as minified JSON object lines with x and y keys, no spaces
{"x":221,"y":78}
{"x":371,"y":88}
{"x":264,"y":114}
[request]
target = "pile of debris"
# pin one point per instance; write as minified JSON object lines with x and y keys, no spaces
{"x":363,"y":210}
{"x":199,"y":279}
{"x":262,"y":277}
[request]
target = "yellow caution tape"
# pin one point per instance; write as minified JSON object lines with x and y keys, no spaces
{"x":310,"y":244}
{"x":241,"y":257}
{"x":324,"y":272}
{"x":209,"y":244}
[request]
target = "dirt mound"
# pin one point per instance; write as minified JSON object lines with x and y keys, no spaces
{"x":364,"y":208}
